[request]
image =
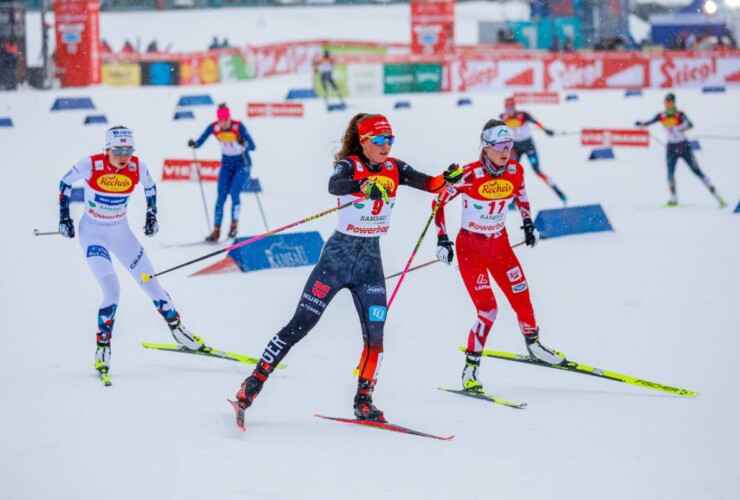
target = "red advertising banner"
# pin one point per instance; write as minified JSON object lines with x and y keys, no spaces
{"x":432,"y":26}
{"x":185,"y":170}
{"x":536,"y":97}
{"x":77,"y":28}
{"x":615,"y":71}
{"x":615,"y":137}
{"x":279,"y":109}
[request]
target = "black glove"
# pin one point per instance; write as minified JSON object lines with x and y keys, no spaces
{"x":66,"y":227}
{"x":444,"y":249}
{"x":191,"y":143}
{"x":241,"y":140}
{"x":639,"y":124}
{"x":531,"y":235}
{"x":151,"y":226}
{"x":549,"y":132}
{"x":453,"y":174}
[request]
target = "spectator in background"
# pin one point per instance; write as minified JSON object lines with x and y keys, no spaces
{"x":128,"y":48}
{"x":225,"y":44}
{"x":555,"y":45}
{"x":152,"y":47}
{"x":568,"y":45}
{"x":9,"y":63}
{"x":215,"y":44}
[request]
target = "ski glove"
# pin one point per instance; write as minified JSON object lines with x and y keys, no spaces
{"x":241,"y":140}
{"x":531,"y":235}
{"x":445,"y":253}
{"x":191,"y":143}
{"x":639,"y":124}
{"x":374,"y":190}
{"x":151,"y":227}
{"x":66,"y":227}
{"x":453,"y":174}
{"x":549,"y":132}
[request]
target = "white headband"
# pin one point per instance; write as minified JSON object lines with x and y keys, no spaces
{"x":119,"y":137}
{"x":499,"y":133}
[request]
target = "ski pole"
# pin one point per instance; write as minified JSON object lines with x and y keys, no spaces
{"x":36,"y":232}
{"x":256,"y":194}
{"x":146,"y":277}
{"x":202,"y":192}
{"x":434,"y":262}
{"x":413,"y":253}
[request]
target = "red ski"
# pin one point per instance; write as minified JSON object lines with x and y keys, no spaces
{"x":385,"y":425}
{"x":239,"y":415}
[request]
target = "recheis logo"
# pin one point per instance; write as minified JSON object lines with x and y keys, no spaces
{"x":386,"y":182}
{"x":496,"y":189}
{"x":114,"y":183}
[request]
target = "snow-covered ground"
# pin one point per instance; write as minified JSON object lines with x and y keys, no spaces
{"x":657,"y":298}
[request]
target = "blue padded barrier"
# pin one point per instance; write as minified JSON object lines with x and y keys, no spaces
{"x":572,"y":220}
{"x":65,"y":103}
{"x":195,"y":100}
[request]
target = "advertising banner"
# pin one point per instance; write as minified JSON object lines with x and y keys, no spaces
{"x":615,"y":137}
{"x":403,"y":78}
{"x":160,"y":73}
{"x":121,"y":74}
{"x":284,"y":59}
{"x":235,"y":67}
{"x":432,"y":27}
{"x":198,"y":69}
{"x":473,"y":75}
{"x":615,"y":71}
{"x":698,"y":71}
{"x":77,"y":56}
{"x":537,"y":97}
{"x":365,"y":80}
{"x":186,"y":170}
{"x":277,"y":109}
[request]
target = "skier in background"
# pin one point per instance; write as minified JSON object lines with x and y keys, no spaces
{"x":110,"y":178}
{"x":351,"y":257}
{"x":325,"y":68}
{"x":518,"y":122}
{"x":488,"y":186}
{"x":676,"y":123}
{"x":236,"y":164}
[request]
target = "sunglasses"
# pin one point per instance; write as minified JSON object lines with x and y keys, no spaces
{"x":499,"y":146}
{"x":379,"y":140}
{"x":122,"y":151}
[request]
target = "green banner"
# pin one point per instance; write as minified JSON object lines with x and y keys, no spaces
{"x":403,"y":78}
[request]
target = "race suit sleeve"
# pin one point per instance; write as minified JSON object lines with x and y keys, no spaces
{"x":343,"y":182}
{"x":417,"y":180}
{"x":204,"y":136}
{"x":244,"y":133}
{"x":150,"y":188}
{"x":655,"y":119}
{"x":522,"y":200}
{"x":79,"y":171}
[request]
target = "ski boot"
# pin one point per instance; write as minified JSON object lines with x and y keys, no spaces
{"x":539,"y":352}
{"x":364,"y":407}
{"x":185,"y":337}
{"x":252,"y":385}
{"x":102,"y":357}
{"x":470,"y":373}
{"x":232,"y":229}
{"x":215,"y":235}
{"x":673,"y":201}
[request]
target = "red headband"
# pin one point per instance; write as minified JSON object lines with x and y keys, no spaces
{"x":376,"y":125}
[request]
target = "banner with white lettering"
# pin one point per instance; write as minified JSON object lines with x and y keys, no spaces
{"x":186,"y":170}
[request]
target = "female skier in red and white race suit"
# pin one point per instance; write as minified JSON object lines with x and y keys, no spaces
{"x":110,"y":178}
{"x":488,"y":187}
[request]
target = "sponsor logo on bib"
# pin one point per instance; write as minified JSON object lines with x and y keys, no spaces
{"x":496,"y":189}
{"x":114,"y":183}
{"x":386,"y":182}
